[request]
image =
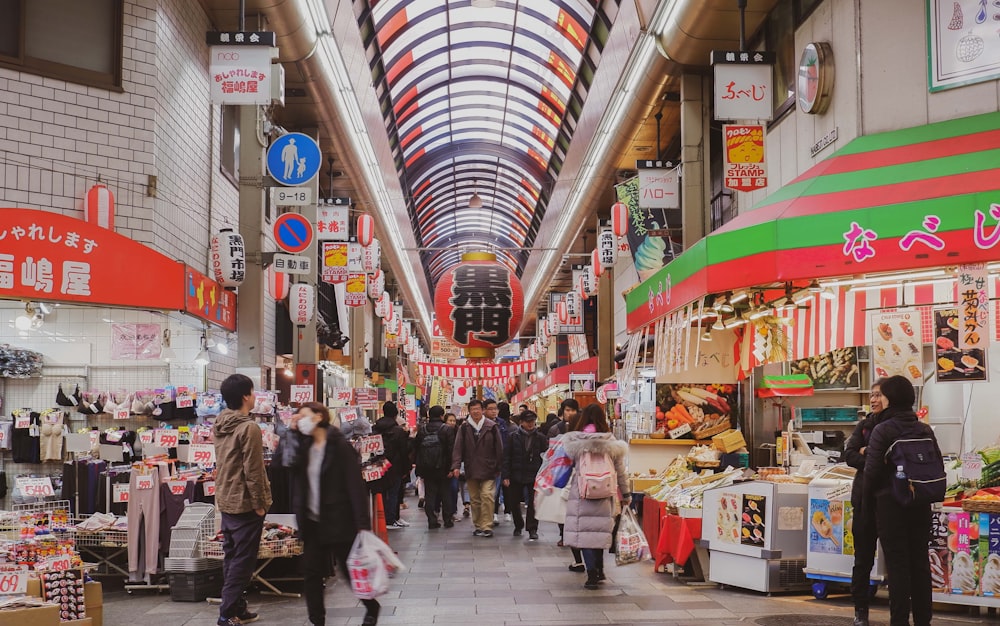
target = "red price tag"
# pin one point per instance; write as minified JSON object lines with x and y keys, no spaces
{"x":373,"y":472}
{"x":201,"y":454}
{"x":185,"y":399}
{"x":177,"y":487}
{"x":121,"y":414}
{"x":210,"y":488}
{"x":348,"y":416}
{"x":35,"y":487}
{"x":120,"y":493}
{"x":166,"y":438}
{"x":22,"y":421}
{"x":14,"y":582}
{"x":146,"y":437}
{"x":372,"y":444}
{"x":144,"y":482}
{"x":302,"y":393}
{"x":59,"y":563}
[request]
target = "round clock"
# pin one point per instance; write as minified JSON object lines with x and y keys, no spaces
{"x":815,"y":80}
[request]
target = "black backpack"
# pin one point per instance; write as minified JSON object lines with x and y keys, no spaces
{"x":916,"y":469}
{"x":430,"y":454}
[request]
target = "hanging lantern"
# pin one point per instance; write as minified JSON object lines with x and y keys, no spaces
{"x":385,"y":303}
{"x":581,"y":285}
{"x":277,"y":283}
{"x":479,"y":304}
{"x":366,"y":229}
{"x":573,"y":308}
{"x":562,"y":312}
{"x":99,"y":207}
{"x":376,"y":285}
{"x":590,"y":282}
{"x":371,"y":256}
{"x":301,"y":303}
{"x":532,"y":377}
{"x":607,"y":250}
{"x":619,"y":219}
{"x":553,"y":323}
{"x":228,"y":258}
{"x":595,"y":262}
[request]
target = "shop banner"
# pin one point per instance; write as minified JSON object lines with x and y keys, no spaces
{"x":573,"y":324}
{"x":334,"y":263}
{"x":240,"y":74}
{"x":896,"y":345}
{"x":745,"y":168}
{"x":441,"y":348}
{"x":973,"y":306}
{"x":649,"y":231}
{"x":206,"y":299}
{"x":659,"y":186}
{"x":743,"y":84}
{"x":355,"y":258}
{"x":953,"y":364}
{"x":487,"y":371}
{"x":135,"y":341}
{"x":356,"y":290}
{"x":331,"y":223}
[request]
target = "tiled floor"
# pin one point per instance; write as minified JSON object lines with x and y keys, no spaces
{"x":455,"y":578}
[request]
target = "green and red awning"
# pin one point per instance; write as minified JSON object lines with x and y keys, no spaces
{"x":914,"y":198}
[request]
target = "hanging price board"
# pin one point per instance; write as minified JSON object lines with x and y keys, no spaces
{"x":119,"y":493}
{"x":14,"y":582}
{"x":348,"y":415}
{"x":177,"y":487}
{"x":34,"y":487}
{"x":371,"y":445}
{"x":185,"y":398}
{"x":302,"y":393}
{"x":121,"y":414}
{"x":201,"y":453}
{"x":146,"y":437}
{"x":210,"y":488}
{"x":342,"y":395}
{"x":58,"y":563}
{"x":143,"y":483}
{"x":165,"y":438}
{"x":22,"y":421}
{"x":373,"y":472}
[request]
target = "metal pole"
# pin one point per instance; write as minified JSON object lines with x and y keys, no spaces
{"x":243,"y":16}
{"x":742,"y":4}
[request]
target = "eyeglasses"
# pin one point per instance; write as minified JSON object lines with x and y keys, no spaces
{"x":875,"y":394}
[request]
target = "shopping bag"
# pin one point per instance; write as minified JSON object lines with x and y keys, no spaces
{"x":371,"y":563}
{"x":550,"y":504}
{"x":556,"y":467}
{"x":631,"y":545}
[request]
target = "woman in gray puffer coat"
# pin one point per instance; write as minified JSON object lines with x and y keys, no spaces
{"x":589,"y":523}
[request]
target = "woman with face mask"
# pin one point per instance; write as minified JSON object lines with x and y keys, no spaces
{"x":330,"y":501}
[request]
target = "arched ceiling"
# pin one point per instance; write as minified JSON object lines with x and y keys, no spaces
{"x":480,"y":97}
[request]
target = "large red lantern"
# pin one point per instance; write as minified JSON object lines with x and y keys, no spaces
{"x":99,"y":207}
{"x":479,"y":304}
{"x":595,"y":262}
{"x":277,"y":283}
{"x":366,"y":229}
{"x":619,"y":219}
{"x":563,"y":311}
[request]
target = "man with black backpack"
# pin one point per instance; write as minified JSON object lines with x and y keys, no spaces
{"x":433,"y":448}
{"x":904,"y":475}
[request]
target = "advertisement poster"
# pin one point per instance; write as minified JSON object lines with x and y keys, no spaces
{"x":745,"y":167}
{"x":832,"y":370}
{"x":581,"y":382}
{"x":963,"y":544}
{"x":964,"y":47}
{"x":728,"y":522}
{"x":896,"y":349}
{"x":989,"y":552}
{"x":826,"y":526}
{"x":334,"y":262}
{"x":940,"y":556}
{"x":707,"y":408}
{"x":135,"y":341}
{"x":954,"y":364}
{"x":848,"y":528}
{"x":753,"y":521}
{"x":649,"y":231}
{"x":973,"y":307}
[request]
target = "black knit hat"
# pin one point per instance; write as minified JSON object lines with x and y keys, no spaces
{"x":389,"y":409}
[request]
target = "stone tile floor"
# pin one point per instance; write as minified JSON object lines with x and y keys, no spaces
{"x":455,"y":578}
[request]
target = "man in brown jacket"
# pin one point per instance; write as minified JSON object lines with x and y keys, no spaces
{"x":478,"y":444}
{"x":242,"y":495}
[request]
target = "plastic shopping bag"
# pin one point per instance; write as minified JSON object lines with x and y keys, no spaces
{"x":371,"y":564}
{"x":556,"y":467}
{"x":550,"y":504}
{"x":631,"y":545}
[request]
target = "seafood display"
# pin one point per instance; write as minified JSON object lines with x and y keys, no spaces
{"x":832,"y":370}
{"x":707,"y":408}
{"x":953,"y":363}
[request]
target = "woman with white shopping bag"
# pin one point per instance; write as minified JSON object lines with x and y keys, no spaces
{"x":596,"y":488}
{"x":330,"y":501}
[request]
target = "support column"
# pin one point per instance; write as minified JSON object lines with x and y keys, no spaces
{"x":250,"y":302}
{"x":357,"y":345}
{"x":606,"y":325}
{"x":694,"y":148}
{"x":305,"y":348}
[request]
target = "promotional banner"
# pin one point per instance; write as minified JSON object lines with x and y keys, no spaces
{"x":896,"y":346}
{"x":135,"y":341}
{"x":973,"y":306}
{"x":659,"y":186}
{"x":953,"y":363}
{"x":356,"y":291}
{"x":331,"y":223}
{"x":649,"y":231}
{"x":743,"y":152}
{"x":240,"y":74}
{"x":334,"y":262}
{"x":573,"y":324}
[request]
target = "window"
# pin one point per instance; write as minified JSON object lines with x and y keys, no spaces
{"x":80,"y":42}
{"x":779,"y":36}
{"x":230,"y":143}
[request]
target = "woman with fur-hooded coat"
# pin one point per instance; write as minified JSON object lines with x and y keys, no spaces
{"x":589,"y":523}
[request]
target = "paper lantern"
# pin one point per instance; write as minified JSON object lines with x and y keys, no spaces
{"x":99,"y":207}
{"x":607,"y":251}
{"x":589,"y":282}
{"x":479,"y":304}
{"x":562,"y":312}
{"x":376,"y":285}
{"x":581,"y":285}
{"x":371,"y":256}
{"x":277,"y":283}
{"x":366,"y":229}
{"x":301,"y":303}
{"x":228,"y":258}
{"x":384,"y":305}
{"x":595,"y":262}
{"x":553,"y":323}
{"x":619,"y":219}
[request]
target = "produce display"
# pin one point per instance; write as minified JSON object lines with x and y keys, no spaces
{"x":687,"y":493}
{"x":707,"y":409}
{"x":832,"y":370}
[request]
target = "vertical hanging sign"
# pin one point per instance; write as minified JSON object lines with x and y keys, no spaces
{"x":744,"y":84}
{"x":745,"y":168}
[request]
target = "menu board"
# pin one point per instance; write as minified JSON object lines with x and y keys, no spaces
{"x":953,"y":363}
{"x":896,"y":349}
{"x":826,"y":526}
{"x":753,"y":521}
{"x":728,"y":522}
{"x":940,"y":556}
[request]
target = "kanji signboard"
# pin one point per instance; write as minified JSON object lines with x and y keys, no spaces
{"x":240,"y":74}
{"x":743,"y":152}
{"x":743,"y":85}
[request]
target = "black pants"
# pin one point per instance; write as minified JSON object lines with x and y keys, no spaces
{"x":904,"y":533}
{"x":437,"y":496}
{"x":316,"y":565}
{"x":513,"y":497}
{"x":241,"y":533}
{"x":577,"y":555}
{"x":865,"y":544}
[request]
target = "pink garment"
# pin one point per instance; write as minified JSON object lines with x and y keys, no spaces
{"x":590,"y":428}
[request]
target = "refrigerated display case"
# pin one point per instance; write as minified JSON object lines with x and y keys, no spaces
{"x":756,"y":533}
{"x":830,"y":549}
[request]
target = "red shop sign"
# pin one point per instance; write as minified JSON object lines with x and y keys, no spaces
{"x":205,"y":298}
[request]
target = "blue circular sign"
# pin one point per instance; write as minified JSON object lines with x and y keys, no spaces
{"x":292,"y":232}
{"x":294,"y":159}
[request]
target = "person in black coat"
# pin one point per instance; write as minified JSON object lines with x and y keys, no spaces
{"x":521,"y":460}
{"x":864,"y":527}
{"x":903,"y":530}
{"x":437,"y":483}
{"x":330,"y":502}
{"x":396,"y":442}
{"x":568,"y":410}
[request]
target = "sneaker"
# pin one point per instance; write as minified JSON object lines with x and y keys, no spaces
{"x":577,"y":567}
{"x":487,"y":533}
{"x":247,"y":617}
{"x":394,"y":526}
{"x":517,"y":532}
{"x":496,"y":520}
{"x":467,"y":511}
{"x":402,"y":522}
{"x":229,"y":621}
{"x":478,"y":533}
{"x":532,"y":536}
{"x":420,"y":503}
{"x":507,"y":518}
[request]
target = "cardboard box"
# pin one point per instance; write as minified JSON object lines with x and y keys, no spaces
{"x":34,"y":587}
{"x":729,"y":441}
{"x":78,"y":622}
{"x":47,"y":615}
{"x":640,"y":485}
{"x":93,"y":595}
{"x":96,"y":615}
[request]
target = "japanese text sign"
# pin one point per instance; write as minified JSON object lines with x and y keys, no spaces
{"x":745,"y":168}
{"x":206,"y":299}
{"x":371,"y":445}
{"x":301,"y":394}
{"x":342,"y":395}
{"x":14,"y":582}
{"x":34,"y":487}
{"x":331,"y":223}
{"x":659,"y":188}
{"x":119,"y":493}
{"x":201,"y":454}
{"x":356,"y":291}
{"x":974,"y":306}
{"x":240,"y":74}
{"x":743,"y":85}
{"x":164,"y":438}
{"x":144,"y":482}
{"x":135,"y":341}
{"x":52,"y":257}
{"x":334,"y":262}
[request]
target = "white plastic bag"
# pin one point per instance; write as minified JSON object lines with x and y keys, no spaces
{"x":631,"y":545}
{"x":550,"y":504}
{"x":371,"y":564}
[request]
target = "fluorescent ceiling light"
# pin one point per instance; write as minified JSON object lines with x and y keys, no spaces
{"x":759,"y":314}
{"x":802,"y":297}
{"x":739,"y":296}
{"x":908,"y":276}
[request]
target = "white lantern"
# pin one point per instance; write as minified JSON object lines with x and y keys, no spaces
{"x":573,"y":307}
{"x":366,"y":229}
{"x":228,"y":258}
{"x":553,"y":323}
{"x":301,"y":303}
{"x":562,"y":312}
{"x":595,"y":262}
{"x":607,"y":250}
{"x":371,"y":256}
{"x":376,"y":285}
{"x":590,"y":282}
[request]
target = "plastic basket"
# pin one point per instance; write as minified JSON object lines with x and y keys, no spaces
{"x":195,"y":586}
{"x":278,"y":548}
{"x":813,"y":415}
{"x":842,"y":414}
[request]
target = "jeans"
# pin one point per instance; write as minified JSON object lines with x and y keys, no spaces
{"x":593,"y":559}
{"x":904,"y":533}
{"x":453,"y":489}
{"x":865,"y":545}
{"x":437,"y":495}
{"x":241,"y":533}
{"x":515,"y":494}
{"x":481,"y":493}
{"x":316,"y":567}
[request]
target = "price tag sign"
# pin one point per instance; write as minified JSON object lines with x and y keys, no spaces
{"x":14,"y":582}
{"x":121,"y":414}
{"x":22,"y":421}
{"x":185,"y":398}
{"x":201,"y":453}
{"x":119,"y":493}
{"x":59,"y":563}
{"x":348,"y":415}
{"x":166,"y":438}
{"x":302,"y":393}
{"x":972,"y":466}
{"x":210,"y":488}
{"x":144,"y":482}
{"x":680,"y":431}
{"x":34,"y":487}
{"x":343,"y":395}
{"x":372,"y":472}
{"x":177,"y":487}
{"x":371,"y":445}
{"x":146,"y":437}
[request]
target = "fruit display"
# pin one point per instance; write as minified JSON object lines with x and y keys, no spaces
{"x":707,"y":408}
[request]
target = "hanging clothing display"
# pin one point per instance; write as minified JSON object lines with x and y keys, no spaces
{"x":51,"y":435}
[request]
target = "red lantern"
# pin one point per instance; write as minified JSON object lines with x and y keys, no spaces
{"x":595,"y":262}
{"x":99,"y":207}
{"x":479,"y":304}
{"x":277,"y":283}
{"x":366,"y":229}
{"x":619,"y":219}
{"x":563,"y":311}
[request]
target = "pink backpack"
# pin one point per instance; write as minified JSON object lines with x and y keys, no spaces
{"x":596,"y":476}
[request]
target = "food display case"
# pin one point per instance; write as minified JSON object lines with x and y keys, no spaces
{"x":756,"y":535}
{"x":830,"y":549}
